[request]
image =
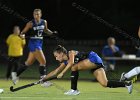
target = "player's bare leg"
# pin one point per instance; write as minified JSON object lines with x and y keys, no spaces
{"x":42,"y":68}
{"x":101,"y":76}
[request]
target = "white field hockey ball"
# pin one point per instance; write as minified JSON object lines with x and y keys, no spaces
{"x":1,"y":90}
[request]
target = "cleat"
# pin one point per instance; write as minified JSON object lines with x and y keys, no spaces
{"x":72,"y":92}
{"x":123,"y":78}
{"x":129,"y":86}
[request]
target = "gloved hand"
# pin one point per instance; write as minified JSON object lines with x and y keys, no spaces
{"x":42,"y":79}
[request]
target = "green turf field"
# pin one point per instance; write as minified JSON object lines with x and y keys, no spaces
{"x":89,"y":91}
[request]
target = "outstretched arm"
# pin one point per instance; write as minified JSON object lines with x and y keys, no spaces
{"x":69,"y":65}
{"x":49,"y":32}
{"x":55,"y":72}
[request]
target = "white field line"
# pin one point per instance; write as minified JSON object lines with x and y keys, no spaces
{"x":72,"y":98}
{"x":48,"y":98}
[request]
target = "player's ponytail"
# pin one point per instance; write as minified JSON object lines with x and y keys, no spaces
{"x":60,"y":49}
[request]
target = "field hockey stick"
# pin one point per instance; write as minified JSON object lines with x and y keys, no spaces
{"x":99,"y":19}
{"x":12,"y":89}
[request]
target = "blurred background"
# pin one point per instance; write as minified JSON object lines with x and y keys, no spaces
{"x":80,"y":32}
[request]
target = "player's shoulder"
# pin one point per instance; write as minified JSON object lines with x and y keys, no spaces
{"x":29,"y":24}
{"x":72,"y":52}
{"x":45,"y":21}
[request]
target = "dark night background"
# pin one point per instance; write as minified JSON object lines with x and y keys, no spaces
{"x":71,"y":23}
{"x":79,"y":31}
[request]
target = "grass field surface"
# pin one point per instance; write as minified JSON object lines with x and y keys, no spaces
{"x":89,"y":91}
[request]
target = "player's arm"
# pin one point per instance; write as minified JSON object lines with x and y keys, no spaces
{"x":69,"y":65}
{"x":27,"y":27}
{"x":47,"y":31}
{"x":139,"y":32}
{"x":55,"y":72}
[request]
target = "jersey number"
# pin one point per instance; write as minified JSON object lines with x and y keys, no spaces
{"x":39,"y":33}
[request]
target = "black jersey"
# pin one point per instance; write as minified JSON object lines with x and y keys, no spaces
{"x":79,"y":57}
{"x":37,"y":29}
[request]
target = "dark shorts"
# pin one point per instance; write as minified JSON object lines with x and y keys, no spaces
{"x":35,"y":44}
{"x":98,"y":67}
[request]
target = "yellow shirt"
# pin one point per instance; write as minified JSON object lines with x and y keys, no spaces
{"x":15,"y":45}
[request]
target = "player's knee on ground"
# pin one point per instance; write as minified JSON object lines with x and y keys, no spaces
{"x":103,"y":83}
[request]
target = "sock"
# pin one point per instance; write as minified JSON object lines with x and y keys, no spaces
{"x":114,"y":84}
{"x":74,"y":79}
{"x":14,"y":73}
{"x":42,"y":71}
{"x":16,"y":65}
{"x":22,"y":69}
{"x":133,"y":72}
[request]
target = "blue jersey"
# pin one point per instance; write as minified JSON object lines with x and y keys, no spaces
{"x":37,"y":29}
{"x":36,"y":39}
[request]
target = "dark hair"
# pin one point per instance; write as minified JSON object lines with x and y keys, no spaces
{"x":60,"y":49}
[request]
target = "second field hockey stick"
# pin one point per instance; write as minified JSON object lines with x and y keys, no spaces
{"x":12,"y":89}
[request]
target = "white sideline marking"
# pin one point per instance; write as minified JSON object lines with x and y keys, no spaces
{"x":48,"y":98}
{"x":55,"y":98}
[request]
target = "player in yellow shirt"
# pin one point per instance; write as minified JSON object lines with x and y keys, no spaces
{"x":15,"y":51}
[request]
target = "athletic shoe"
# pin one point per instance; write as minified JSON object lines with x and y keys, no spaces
{"x":46,"y":84}
{"x":72,"y":92}
{"x":123,"y":78}
{"x":15,"y":79}
{"x":1,"y":90}
{"x":129,"y":86}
